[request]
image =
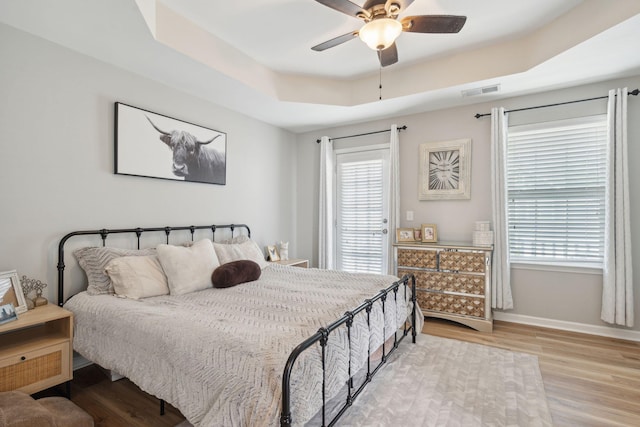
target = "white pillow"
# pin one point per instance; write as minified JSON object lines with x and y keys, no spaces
{"x":248,"y":249}
{"x":137,"y":276}
{"x":188,"y":269}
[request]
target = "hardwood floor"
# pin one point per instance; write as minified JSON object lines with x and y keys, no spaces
{"x":117,"y":404}
{"x":589,"y":380}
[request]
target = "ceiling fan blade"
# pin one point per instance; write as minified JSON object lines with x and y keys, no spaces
{"x":433,"y":23}
{"x":388,"y":56}
{"x":344,"y":6}
{"x":335,"y":41}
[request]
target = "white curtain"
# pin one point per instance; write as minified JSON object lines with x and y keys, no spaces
{"x":394,"y":192}
{"x":326,"y":216}
{"x":501,"y":267}
{"x":617,"y":289}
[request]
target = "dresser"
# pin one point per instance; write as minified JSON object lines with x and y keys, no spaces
{"x":453,"y":280}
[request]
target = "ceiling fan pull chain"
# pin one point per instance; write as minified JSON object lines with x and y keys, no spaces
{"x":380,"y":82}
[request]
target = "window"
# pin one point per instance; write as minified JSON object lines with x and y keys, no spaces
{"x":556,"y":177}
{"x":362,"y":211}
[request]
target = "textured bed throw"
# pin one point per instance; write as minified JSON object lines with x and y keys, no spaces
{"x":218,"y":354}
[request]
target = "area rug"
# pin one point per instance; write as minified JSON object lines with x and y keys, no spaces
{"x":444,"y":382}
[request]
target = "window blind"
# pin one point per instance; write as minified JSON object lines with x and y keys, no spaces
{"x":360,"y":213}
{"x":556,"y":177}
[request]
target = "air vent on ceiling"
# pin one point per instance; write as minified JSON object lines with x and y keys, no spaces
{"x":481,"y":90}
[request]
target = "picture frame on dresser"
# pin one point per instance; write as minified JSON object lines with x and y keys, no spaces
{"x":429,"y":233}
{"x":11,"y":291}
{"x":405,"y":235}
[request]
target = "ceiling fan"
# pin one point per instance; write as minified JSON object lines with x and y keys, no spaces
{"x":382,"y":26}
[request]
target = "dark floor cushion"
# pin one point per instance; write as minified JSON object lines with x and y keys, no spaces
{"x":235,"y":272}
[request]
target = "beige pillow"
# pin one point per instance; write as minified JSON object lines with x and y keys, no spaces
{"x":137,"y":277}
{"x":93,"y":261}
{"x":248,"y":249}
{"x":188,"y":269}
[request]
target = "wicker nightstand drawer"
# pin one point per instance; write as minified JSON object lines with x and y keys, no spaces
{"x":35,"y":350}
{"x":35,"y":370}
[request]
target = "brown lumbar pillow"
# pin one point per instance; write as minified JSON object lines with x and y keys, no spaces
{"x":235,"y":272}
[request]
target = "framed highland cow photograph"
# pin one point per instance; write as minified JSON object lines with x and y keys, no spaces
{"x":152,"y":145}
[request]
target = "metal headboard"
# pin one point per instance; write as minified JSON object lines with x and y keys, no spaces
{"x":104,"y":233}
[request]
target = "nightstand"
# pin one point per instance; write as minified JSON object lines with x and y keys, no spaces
{"x":304,"y":263}
{"x":35,"y":350}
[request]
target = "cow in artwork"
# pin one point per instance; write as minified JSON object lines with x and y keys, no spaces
{"x":192,"y":159}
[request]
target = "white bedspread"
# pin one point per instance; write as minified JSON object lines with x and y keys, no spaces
{"x":218,"y":354}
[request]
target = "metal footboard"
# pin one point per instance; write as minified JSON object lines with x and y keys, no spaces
{"x":408,"y":285}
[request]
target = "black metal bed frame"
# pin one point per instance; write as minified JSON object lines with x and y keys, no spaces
{"x":321,"y":337}
{"x":104,"y":233}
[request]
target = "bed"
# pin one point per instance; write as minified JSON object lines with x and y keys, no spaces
{"x":294,"y":347}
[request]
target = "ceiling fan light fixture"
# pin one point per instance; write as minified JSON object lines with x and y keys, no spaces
{"x":380,"y":33}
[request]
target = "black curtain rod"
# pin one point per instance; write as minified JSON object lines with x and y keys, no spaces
{"x":633,"y":92}
{"x":363,"y":134}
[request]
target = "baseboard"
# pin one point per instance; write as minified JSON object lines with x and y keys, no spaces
{"x":625,"y":334}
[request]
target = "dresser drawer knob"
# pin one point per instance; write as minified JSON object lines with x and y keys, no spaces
{"x":23,"y":358}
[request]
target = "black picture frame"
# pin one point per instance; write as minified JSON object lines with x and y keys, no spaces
{"x":153,"y":145}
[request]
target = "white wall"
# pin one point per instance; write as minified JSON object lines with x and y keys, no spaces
{"x":57,"y":123}
{"x":555,"y":295}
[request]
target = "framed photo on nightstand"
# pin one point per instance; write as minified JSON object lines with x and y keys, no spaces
{"x":272,"y":252}
{"x":7,"y":313}
{"x":11,"y":291}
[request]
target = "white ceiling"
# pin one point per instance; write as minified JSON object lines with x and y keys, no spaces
{"x":280,"y":33}
{"x":254,"y":56}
